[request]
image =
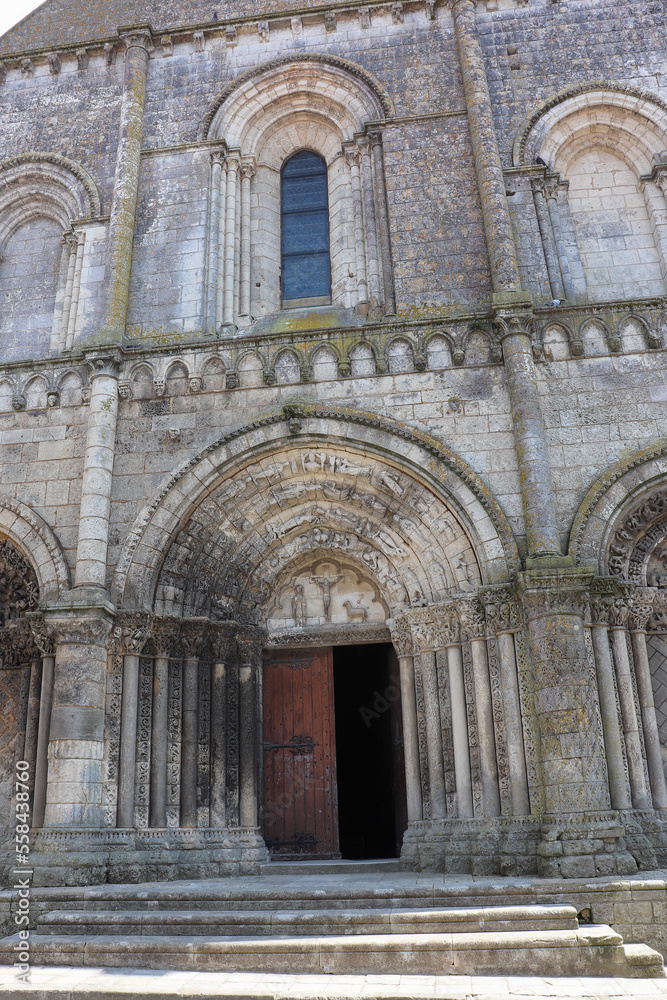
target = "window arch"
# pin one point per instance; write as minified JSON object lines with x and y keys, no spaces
{"x":304,"y":216}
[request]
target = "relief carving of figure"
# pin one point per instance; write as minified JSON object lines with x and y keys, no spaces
{"x":357,"y":612}
{"x":325,"y":583}
{"x":299,"y":606}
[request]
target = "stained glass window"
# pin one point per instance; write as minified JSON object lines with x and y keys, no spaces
{"x":306,"y":265}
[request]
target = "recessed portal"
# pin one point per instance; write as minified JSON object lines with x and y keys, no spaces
{"x":334,"y":777}
{"x":372,"y":812}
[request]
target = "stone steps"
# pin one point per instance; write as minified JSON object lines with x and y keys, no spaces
{"x":300,"y":923}
{"x":594,"y":950}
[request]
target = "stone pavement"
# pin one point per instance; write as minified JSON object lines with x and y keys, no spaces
{"x":61,"y":983}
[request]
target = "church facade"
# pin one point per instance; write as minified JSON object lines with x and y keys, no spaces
{"x":333,"y":436}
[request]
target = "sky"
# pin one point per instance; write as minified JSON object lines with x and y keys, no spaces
{"x":12,"y":11}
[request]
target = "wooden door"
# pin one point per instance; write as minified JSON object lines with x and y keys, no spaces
{"x":300,"y":807}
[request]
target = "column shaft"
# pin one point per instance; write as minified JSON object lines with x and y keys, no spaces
{"x":247,"y":172}
{"x":537,"y":491}
{"x":410,"y":738}
{"x":219,"y":746}
{"x":220,"y":276}
{"x":656,"y":771}
{"x":41,"y":753}
{"x":513,"y":725}
{"x":548,"y":243}
{"x":32,"y":718}
{"x":487,"y":741}
{"x":561,"y":247}
{"x":92,"y":544}
{"x":495,"y":211}
{"x":618,"y":786}
{"x":248,"y":723}
{"x":159,"y":737}
{"x":626,"y":697}
{"x":230,"y":239}
{"x":128,"y":742}
{"x":76,"y":737}
{"x":189,"y":744}
{"x":76,"y":291}
{"x":213,"y":240}
{"x":464,"y":806}
{"x":370,"y":224}
{"x":383,"y":217}
{"x":357,"y":202}
{"x":436,"y":766}
{"x":124,"y":202}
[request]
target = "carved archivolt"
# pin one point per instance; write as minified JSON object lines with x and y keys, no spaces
{"x":30,"y":533}
{"x":385,"y":492}
{"x":311,"y":535}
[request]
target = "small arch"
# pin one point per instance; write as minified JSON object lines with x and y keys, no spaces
{"x":251,"y":371}
{"x":556,"y":343}
{"x":35,"y":393}
{"x":177,"y":379}
{"x":142,"y":382}
{"x":634,"y":333}
{"x":400,"y":358}
{"x":594,"y":336}
{"x":287,"y":368}
{"x":325,"y":365}
{"x":70,"y":387}
{"x":6,"y":396}
{"x":439,"y":352}
{"x":362,"y":361}
{"x":213,"y":374}
{"x":478,"y":348}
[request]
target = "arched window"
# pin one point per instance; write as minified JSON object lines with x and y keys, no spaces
{"x":306,"y":262}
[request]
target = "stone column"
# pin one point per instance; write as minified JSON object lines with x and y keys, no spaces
{"x":546,"y":232}
{"x":401,"y":638}
{"x":425,"y":637}
{"x":580,"y":837}
{"x":618,"y":619}
{"x":352,"y":155}
{"x":44,"y":640}
{"x":503,"y":620}
{"x":32,"y":715}
{"x":164,"y":646}
{"x":370,"y":222}
{"x":134,"y":633}
{"x":551,"y":187}
{"x":473,"y":630}
{"x":233,"y":166}
{"x":126,"y":182}
{"x":215,"y":232}
{"x":76,"y":737}
{"x":457,"y":694}
{"x":618,"y":786}
{"x":249,"y":656}
{"x":223,"y":645}
{"x":640,"y":612}
{"x":375,"y":137}
{"x":247,"y":173}
{"x":92,"y":543}
{"x":192,"y":640}
{"x":490,"y":179}
{"x":537,"y":493}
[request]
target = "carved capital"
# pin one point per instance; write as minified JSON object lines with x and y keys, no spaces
{"x":248,"y":169}
{"x":473,"y":623}
{"x":401,"y":637}
{"x":17,"y":644}
{"x":139,"y":37}
{"x":511,"y":322}
{"x":249,"y":652}
{"x":132,"y":631}
{"x":91,"y":630}
{"x":501,"y":610}
{"x":641,"y":608}
{"x":164,"y":635}
{"x":104,"y":364}
{"x":43,"y":633}
{"x":193,"y":637}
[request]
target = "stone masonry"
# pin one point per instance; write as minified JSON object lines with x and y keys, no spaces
{"x":462,"y":452}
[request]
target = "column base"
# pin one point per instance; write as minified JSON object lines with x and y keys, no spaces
{"x":584,"y":846}
{"x":92,"y":857}
{"x":484,"y":846}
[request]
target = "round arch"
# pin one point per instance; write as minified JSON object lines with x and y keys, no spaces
{"x":268,"y":493}
{"x":37,"y":543}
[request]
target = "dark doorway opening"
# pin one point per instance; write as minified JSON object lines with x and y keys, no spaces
{"x":372,"y":806}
